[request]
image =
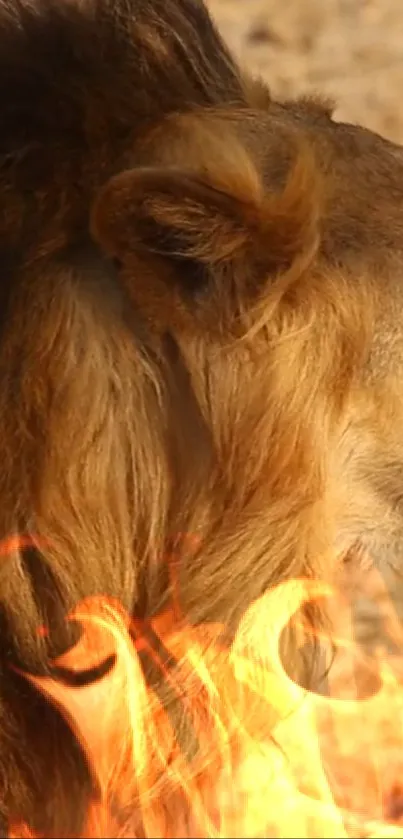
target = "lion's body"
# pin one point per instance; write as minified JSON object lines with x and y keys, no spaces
{"x":200,"y":333}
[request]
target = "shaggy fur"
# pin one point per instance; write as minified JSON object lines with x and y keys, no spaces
{"x":200,"y":333}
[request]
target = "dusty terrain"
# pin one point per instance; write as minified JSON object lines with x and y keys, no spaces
{"x":351,"y":50}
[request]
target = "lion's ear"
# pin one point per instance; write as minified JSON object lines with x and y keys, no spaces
{"x":199,"y":243}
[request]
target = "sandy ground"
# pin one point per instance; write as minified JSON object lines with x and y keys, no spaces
{"x":351,"y":50}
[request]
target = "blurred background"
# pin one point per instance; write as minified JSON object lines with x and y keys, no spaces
{"x":351,"y":50}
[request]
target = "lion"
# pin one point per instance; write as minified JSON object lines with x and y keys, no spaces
{"x":200,"y":334}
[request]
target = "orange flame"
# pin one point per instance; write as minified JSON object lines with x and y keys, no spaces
{"x":267,"y":757}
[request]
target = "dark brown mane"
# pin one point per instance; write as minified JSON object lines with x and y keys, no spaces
{"x":94,"y":75}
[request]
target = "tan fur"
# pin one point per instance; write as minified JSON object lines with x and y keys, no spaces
{"x":200,"y":333}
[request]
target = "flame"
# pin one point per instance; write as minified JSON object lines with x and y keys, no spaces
{"x":232,"y":746}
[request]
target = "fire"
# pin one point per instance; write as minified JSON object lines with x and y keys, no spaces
{"x":222,"y":742}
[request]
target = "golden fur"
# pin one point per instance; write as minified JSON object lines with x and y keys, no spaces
{"x":200,"y":333}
